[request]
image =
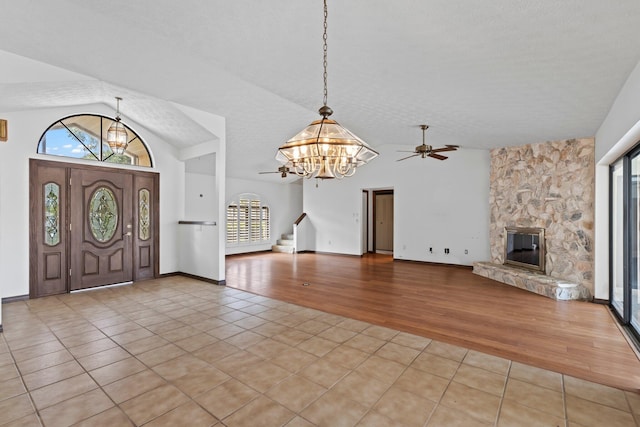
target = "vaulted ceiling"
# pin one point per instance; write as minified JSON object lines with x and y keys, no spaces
{"x":482,"y":74}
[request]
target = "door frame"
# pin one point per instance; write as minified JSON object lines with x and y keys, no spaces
{"x":364,"y":240}
{"x":35,"y":191}
{"x":625,"y":316}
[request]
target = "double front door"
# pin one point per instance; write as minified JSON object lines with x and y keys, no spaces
{"x":91,"y":226}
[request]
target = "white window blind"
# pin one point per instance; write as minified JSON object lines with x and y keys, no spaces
{"x":266,"y":223}
{"x":248,"y":221}
{"x":232,"y":223}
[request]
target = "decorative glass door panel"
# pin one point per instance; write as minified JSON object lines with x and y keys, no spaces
{"x":51,"y":214}
{"x":101,"y":228}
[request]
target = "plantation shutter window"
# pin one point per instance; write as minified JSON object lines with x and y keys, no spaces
{"x":232,"y":224}
{"x":248,"y":221}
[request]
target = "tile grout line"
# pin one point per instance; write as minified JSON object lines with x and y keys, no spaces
{"x":15,"y":363}
{"x":81,"y":316}
{"x":99,"y":386}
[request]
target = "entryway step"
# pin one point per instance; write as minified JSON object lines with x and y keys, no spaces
{"x":282,"y":248}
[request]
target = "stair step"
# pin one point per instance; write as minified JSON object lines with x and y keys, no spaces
{"x":282,"y":248}
{"x":287,"y":237}
{"x":282,"y":242}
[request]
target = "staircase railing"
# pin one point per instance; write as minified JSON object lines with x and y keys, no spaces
{"x":295,"y":231}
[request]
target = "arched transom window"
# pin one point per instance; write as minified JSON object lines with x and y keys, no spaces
{"x":84,"y":136}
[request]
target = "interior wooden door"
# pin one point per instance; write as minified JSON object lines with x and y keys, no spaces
{"x":383,"y":213}
{"x":101,"y":228}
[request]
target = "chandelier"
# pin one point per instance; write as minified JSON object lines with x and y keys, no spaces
{"x":325,"y":149}
{"x":116,"y":134}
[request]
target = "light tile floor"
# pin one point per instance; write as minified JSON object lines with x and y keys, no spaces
{"x":179,"y":352}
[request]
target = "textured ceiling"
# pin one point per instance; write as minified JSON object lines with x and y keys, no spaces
{"x":481,"y":74}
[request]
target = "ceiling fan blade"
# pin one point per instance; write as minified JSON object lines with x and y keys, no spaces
{"x":437,"y":156}
{"x":452,"y":146}
{"x":405,"y":151}
{"x":437,"y":150}
{"x":408,"y":157}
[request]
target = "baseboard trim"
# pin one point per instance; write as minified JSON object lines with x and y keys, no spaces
{"x":248,"y":253}
{"x":600,"y":301}
{"x":196,"y":277}
{"x":626,"y":332}
{"x":15,"y":299}
{"x":333,"y":254}
{"x":440,"y":264}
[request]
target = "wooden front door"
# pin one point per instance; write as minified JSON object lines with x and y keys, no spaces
{"x":91,"y":226}
{"x":101,"y":228}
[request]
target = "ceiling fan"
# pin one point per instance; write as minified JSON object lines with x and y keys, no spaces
{"x":425,"y":150}
{"x":282,"y":170}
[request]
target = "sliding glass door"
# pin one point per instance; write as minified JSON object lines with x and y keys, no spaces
{"x":617,"y":238}
{"x":625,"y":239}
{"x":634,"y":243}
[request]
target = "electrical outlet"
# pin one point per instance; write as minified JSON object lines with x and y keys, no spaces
{"x":446,"y":250}
{"x":466,"y":251}
{"x":430,"y":250}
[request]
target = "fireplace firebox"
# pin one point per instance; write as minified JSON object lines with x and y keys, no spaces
{"x":524,"y":247}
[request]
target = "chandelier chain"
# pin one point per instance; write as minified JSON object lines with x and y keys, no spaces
{"x":118,"y":99}
{"x":324,"y":58}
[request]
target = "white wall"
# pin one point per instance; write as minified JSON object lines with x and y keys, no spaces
{"x":198,"y":243}
{"x":619,"y":132}
{"x":25,"y":129}
{"x":439,"y":204}
{"x":284,"y":201}
{"x":201,"y":248}
{"x":200,"y":198}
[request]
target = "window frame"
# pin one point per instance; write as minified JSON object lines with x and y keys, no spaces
{"x":97,"y":155}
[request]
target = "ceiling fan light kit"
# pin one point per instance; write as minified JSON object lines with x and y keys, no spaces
{"x":325,"y":149}
{"x":425,"y":150}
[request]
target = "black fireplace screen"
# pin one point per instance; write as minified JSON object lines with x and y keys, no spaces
{"x":524,"y":247}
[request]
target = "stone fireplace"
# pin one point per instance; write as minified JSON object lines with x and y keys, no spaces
{"x":546,"y":186}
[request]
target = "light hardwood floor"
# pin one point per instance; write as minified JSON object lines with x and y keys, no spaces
{"x":450,"y":304}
